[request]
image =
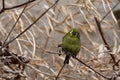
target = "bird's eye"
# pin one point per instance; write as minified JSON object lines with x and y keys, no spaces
{"x":76,"y":34}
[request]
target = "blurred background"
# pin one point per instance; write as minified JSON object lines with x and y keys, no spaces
{"x":40,"y":42}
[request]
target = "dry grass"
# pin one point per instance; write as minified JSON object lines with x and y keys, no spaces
{"x":40,"y":42}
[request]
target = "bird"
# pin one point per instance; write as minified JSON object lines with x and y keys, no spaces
{"x":71,"y":44}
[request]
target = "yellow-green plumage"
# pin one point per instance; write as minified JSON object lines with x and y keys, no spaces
{"x":71,"y":43}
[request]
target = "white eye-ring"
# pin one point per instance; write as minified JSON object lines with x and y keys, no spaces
{"x":76,"y":34}
{"x":71,"y":31}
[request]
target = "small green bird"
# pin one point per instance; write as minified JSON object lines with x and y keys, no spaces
{"x":71,"y":43}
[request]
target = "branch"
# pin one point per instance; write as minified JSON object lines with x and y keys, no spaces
{"x":32,"y":23}
{"x":4,"y":9}
{"x":89,"y":67}
{"x":109,"y":12}
{"x":104,"y":40}
{"x":14,"y":25}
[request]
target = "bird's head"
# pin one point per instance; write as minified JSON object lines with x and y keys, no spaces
{"x":75,"y":32}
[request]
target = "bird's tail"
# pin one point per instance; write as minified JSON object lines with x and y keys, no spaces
{"x":66,"y":61}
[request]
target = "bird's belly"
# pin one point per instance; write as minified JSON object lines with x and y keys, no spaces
{"x":72,"y":48}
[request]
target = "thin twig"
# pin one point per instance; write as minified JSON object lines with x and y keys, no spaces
{"x":4,"y":8}
{"x":32,"y":23}
{"x":101,"y":33}
{"x":104,"y":40}
{"x":14,"y":25}
{"x":90,"y":67}
{"x":20,"y":5}
{"x":60,"y":71}
{"x":109,"y":12}
{"x":3,"y":4}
